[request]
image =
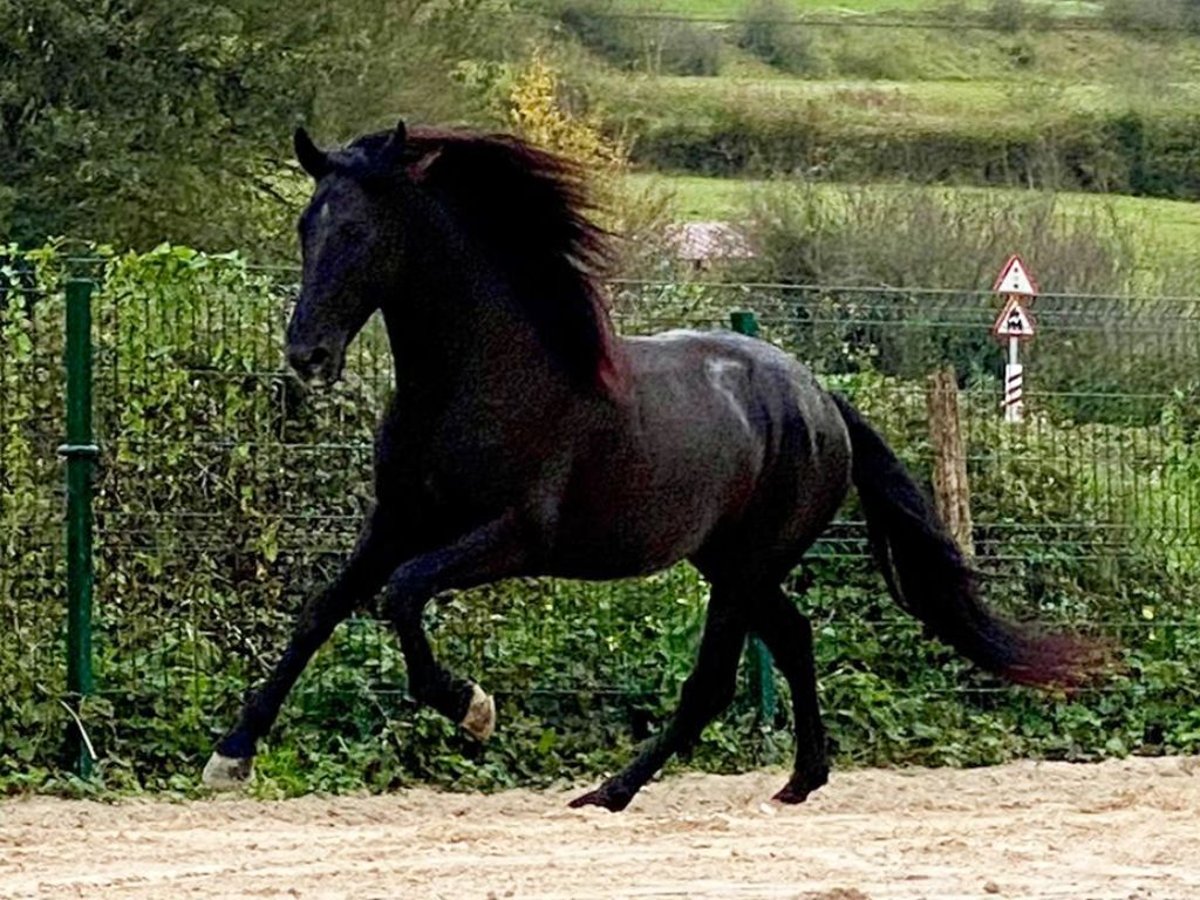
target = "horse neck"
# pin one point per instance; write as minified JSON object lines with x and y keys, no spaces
{"x":455,"y":326}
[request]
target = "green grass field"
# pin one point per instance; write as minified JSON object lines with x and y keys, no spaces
{"x":949,"y":105}
{"x":1166,"y":232}
{"x":732,"y":8}
{"x":969,"y":84}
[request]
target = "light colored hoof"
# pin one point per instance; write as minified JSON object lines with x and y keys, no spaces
{"x":480,"y":720}
{"x":223,"y":773}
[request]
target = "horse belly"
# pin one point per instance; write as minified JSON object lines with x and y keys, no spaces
{"x":601,"y":551}
{"x":635,"y":519}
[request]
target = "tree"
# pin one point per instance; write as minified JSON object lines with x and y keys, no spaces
{"x":139,"y":121}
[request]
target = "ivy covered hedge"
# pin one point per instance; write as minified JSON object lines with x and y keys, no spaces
{"x":227,"y":491}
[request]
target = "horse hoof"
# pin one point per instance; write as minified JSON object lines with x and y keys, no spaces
{"x":791,"y":794}
{"x":225,"y":773}
{"x":798,"y":789}
{"x":480,"y":720}
{"x":613,"y":802}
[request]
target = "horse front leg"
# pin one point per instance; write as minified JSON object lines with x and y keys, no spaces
{"x":503,"y":548}
{"x":375,"y":554}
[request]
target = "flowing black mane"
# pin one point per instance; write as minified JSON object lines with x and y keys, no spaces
{"x":529,"y":209}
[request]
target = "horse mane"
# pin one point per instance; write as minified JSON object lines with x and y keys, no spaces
{"x":529,"y":208}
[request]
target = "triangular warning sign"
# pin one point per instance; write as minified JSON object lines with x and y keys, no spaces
{"x":1013,"y":321}
{"x":1015,"y":278}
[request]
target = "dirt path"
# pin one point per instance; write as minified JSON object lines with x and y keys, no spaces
{"x":1122,"y":830}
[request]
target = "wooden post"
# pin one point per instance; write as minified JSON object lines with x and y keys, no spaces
{"x":951,"y":492}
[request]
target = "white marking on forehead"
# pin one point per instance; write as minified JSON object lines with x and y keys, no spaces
{"x":324,"y":212}
{"x":719,"y":372}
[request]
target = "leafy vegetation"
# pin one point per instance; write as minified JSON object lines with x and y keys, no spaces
{"x":873,"y":133}
{"x":1161,"y":232}
{"x":227,"y":492}
{"x":769,"y":32}
{"x":133,"y":123}
{"x":648,"y":45}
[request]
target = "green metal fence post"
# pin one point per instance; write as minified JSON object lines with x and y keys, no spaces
{"x":762,"y":677}
{"x":81,"y":453}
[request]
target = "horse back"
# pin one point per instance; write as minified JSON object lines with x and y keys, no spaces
{"x":723,"y":438}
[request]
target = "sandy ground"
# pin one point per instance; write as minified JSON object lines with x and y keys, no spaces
{"x":1127,"y":829}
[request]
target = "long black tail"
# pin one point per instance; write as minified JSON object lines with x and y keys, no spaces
{"x":927,"y":575}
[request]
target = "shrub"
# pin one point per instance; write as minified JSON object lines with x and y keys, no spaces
{"x":752,"y":134}
{"x":1007,"y":15}
{"x":770,"y":31}
{"x":661,"y":47}
{"x":878,"y":55}
{"x":912,"y":236}
{"x":227,"y":492}
{"x":683,"y":49}
{"x":1153,"y":16}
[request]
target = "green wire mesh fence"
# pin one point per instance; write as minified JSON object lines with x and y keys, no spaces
{"x":226,"y":492}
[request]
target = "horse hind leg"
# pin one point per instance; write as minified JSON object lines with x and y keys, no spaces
{"x":788,"y":635}
{"x":709,"y":689}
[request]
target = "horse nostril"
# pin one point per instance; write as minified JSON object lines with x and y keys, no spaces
{"x":307,"y":360}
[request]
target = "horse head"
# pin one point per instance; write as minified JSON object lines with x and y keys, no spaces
{"x":352,"y":245}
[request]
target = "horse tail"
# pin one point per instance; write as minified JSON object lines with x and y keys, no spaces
{"x":927,"y":575}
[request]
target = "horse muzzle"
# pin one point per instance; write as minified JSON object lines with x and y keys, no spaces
{"x":316,"y":362}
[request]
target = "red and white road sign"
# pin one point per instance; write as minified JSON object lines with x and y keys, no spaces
{"x":1014,"y":321}
{"x":1015,"y":278}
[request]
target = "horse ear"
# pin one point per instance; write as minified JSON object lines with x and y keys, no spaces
{"x":419,"y":170}
{"x":393,"y":150}
{"x":313,"y":160}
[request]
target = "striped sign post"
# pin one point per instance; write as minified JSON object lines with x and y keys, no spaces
{"x":1014,"y":324}
{"x":1014,"y":382}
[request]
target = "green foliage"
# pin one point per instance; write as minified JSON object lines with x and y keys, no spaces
{"x":128,"y":119}
{"x":227,"y":492}
{"x":1161,"y":17}
{"x":649,"y":45}
{"x":742,"y":132}
{"x":143,"y":122}
{"x":1065,"y":533}
{"x":32,"y":652}
{"x":770,"y":32}
{"x":1008,"y":15}
{"x":902,"y":237}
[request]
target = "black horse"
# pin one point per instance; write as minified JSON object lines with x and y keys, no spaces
{"x":525,"y":439}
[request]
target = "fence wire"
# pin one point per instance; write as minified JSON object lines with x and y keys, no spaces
{"x":228,"y":492}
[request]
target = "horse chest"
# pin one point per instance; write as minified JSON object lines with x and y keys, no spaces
{"x":473,"y":478}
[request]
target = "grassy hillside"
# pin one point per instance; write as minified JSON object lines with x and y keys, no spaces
{"x":1098,"y":110}
{"x":952,"y":105}
{"x":731,"y":8}
{"x":1165,"y":233}
{"x":991,"y":97}
{"x":957,"y":43}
